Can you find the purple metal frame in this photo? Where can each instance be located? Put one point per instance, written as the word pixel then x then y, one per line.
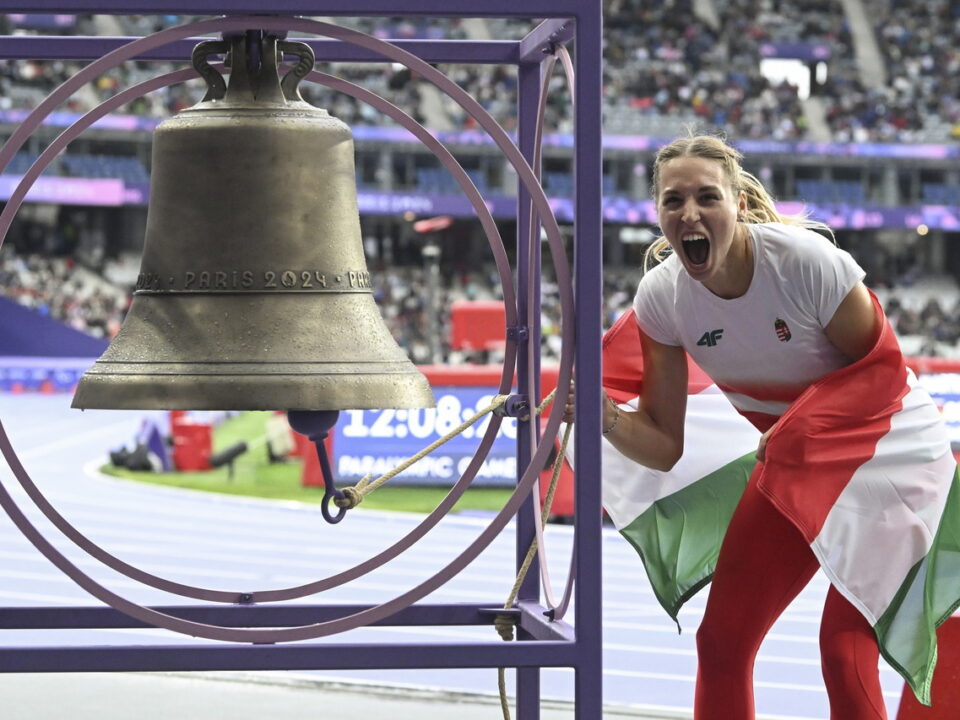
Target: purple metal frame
pixel 528 476
pixel 543 641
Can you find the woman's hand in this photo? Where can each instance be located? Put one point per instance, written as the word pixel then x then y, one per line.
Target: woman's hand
pixel 762 445
pixel 651 435
pixel 610 410
pixel 570 409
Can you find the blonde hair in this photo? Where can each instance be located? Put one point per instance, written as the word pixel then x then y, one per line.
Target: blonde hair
pixel 760 204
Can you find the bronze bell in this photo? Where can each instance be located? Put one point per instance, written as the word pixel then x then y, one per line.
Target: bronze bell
pixel 253 291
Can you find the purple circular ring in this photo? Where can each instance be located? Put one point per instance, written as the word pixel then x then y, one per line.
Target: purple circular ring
pixel 524 484
pixel 429 521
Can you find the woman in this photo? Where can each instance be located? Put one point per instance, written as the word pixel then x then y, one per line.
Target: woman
pixel 770 310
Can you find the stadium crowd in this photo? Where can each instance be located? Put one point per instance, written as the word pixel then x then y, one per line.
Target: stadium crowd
pixel 665 64
pixel 924 311
pixel 918 40
pixel 56 287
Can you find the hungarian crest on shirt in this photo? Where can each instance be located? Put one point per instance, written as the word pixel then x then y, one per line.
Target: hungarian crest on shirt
pixel 783 330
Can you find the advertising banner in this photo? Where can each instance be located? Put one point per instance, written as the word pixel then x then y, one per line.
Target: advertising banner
pixel 944 388
pixel 376 441
pixel 19 375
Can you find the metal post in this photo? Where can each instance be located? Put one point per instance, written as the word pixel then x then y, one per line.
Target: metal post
pixel 588 281
pixel 528 383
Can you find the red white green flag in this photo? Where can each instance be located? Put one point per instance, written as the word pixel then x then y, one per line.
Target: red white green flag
pixel 860 463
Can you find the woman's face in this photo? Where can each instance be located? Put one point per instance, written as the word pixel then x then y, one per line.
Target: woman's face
pixel 698 213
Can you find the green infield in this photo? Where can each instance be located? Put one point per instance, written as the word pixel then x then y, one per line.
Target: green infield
pixel 253 475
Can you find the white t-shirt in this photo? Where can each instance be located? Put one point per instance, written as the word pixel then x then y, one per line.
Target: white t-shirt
pixel 767 346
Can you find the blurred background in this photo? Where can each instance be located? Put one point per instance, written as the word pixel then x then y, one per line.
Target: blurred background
pixel 849 109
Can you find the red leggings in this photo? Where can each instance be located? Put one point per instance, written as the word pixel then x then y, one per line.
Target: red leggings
pixel 764 563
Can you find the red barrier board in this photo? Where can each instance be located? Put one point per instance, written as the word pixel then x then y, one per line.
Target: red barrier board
pixel 477 325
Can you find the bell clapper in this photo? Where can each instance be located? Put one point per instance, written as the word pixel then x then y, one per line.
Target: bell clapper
pixel 316 425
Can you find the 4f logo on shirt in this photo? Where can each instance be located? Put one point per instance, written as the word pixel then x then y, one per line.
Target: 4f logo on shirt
pixel 783 330
pixel 710 338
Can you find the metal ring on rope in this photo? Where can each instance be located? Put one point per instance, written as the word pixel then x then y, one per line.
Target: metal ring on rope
pixel 529 476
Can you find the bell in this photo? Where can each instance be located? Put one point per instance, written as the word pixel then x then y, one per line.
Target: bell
pixel 253 292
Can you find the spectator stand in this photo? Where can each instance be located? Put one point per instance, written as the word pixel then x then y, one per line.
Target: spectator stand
pixel 892 69
pixel 258 635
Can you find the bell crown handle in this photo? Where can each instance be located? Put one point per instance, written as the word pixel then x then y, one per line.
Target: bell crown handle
pixel 216 85
pixel 291 81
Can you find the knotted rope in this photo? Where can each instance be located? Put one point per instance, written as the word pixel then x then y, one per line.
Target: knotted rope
pixel 505 623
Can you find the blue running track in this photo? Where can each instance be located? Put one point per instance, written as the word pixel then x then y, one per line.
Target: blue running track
pixel 236 544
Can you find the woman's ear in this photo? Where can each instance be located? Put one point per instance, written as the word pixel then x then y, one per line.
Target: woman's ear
pixel 742 207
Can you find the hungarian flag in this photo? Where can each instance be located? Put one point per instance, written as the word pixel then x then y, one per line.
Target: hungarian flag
pixel 860 463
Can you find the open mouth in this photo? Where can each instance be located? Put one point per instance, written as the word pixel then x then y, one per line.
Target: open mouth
pixel 696 248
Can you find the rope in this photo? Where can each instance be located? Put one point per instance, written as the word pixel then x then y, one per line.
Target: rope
pixel 504 623
pixel 353 496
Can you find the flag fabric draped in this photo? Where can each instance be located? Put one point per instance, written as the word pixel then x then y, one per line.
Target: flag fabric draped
pixel 677 519
pixel 860 463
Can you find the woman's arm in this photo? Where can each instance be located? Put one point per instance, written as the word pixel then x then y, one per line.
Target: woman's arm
pixel 853 329
pixel 653 435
